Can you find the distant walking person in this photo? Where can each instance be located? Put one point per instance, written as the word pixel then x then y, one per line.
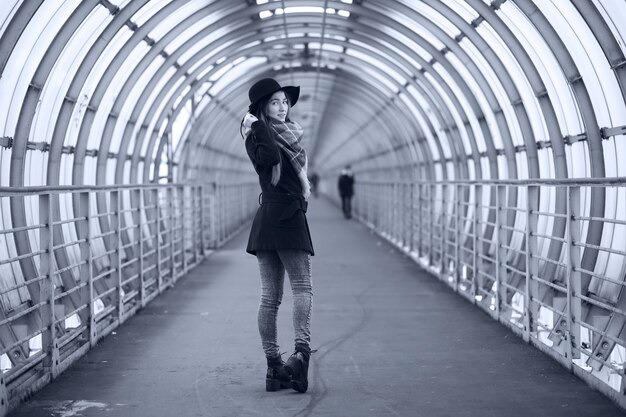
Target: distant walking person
pixel 280 236
pixel 346 190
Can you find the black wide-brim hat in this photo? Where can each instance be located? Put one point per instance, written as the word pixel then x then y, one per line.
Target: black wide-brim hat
pixel 267 87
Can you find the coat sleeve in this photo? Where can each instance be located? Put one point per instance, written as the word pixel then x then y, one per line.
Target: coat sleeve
pixel 262 149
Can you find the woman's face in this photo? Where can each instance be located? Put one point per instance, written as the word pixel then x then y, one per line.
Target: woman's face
pixel 278 106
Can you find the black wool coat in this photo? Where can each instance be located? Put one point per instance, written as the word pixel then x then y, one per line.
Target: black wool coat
pixel 280 221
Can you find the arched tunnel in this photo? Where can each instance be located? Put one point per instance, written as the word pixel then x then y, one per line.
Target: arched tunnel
pixel 484 135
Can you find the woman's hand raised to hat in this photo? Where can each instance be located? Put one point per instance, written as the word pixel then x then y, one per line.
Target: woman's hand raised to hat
pixel 248 119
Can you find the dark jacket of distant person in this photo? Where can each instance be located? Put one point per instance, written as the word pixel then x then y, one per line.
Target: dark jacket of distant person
pixel 346 184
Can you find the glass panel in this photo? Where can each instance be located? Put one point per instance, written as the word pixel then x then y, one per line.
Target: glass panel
pixel 620 149
pixel 438 119
pixel 179 125
pixel 410 43
pixel 146 12
pixel 547 65
pixel 432 15
pixel 418 116
pixel 522 166
pixel 33 172
pixel 376 63
pixel 181 96
pixel 600 80
pixel 5 165
pixel 120 3
pixel 614 13
pixel 112 91
pixel 204 72
pixel 95 77
pixel 89 176
pixel 7 11
pixel 412 63
pixel 469 112
pixel 379 53
pixel 519 78
pixel 372 73
pixel 149 102
pixel 234 73
pixel 207 40
pixel 462 9
pixel 451 107
pixel 409 24
pixel 64 70
pixel 27 55
pixel 132 101
pixel 65 173
pixel 478 94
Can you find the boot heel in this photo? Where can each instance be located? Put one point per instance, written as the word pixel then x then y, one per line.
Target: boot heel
pixel 272 385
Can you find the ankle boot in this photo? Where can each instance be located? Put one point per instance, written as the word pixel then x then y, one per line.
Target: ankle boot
pixel 277 376
pixel 298 368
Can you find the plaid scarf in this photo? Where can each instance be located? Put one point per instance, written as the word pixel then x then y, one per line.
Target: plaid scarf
pixel 288 136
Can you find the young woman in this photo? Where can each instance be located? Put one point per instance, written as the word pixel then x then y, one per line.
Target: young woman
pixel 280 236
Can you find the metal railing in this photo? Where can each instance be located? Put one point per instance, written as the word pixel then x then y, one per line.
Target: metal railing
pixel 504 246
pixel 99 254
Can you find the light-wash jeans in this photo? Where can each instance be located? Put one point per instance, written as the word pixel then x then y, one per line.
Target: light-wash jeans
pixel 273 265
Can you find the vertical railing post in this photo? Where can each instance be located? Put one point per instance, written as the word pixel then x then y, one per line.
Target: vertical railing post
pixel 171 189
pixel 532 263
pixel 475 243
pixel 431 224
pixel 139 215
pixel 203 212
pixel 393 212
pixel 412 217
pixel 418 212
pixel 457 223
pixel 202 222
pixel 369 203
pixel 196 222
pixel 499 239
pixel 218 214
pixel 46 289
pixel 157 238
pixel 573 258
pixel 85 271
pixel 116 246
pixel 443 235
pixel 389 210
pixel 183 232
pixel 408 216
pixel 402 214
pixel 380 197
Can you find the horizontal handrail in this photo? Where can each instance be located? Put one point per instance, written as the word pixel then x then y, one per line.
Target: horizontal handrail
pixel 56 189
pixel 604 181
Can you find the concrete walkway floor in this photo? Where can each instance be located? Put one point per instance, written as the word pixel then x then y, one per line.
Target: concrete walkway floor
pixel 392 341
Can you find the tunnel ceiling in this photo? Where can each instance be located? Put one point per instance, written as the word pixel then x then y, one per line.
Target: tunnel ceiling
pixel 111 91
